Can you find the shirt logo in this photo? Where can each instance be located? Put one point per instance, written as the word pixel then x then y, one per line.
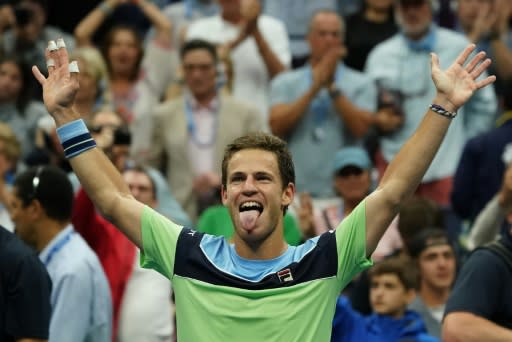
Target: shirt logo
pixel 285 275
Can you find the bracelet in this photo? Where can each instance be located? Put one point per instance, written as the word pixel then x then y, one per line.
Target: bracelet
pixel 334 91
pixel 75 138
pixel 441 111
pixel 105 8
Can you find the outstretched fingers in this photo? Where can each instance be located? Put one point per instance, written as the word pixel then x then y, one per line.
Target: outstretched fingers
pixel 485 82
pixel 463 56
pixel 480 68
pixel 38 75
pixel 475 61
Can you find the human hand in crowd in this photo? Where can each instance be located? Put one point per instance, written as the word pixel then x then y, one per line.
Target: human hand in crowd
pixel 388 120
pixel 458 82
pixel 7 18
pixel 503 8
pixel 250 11
pixel 305 215
pixel 323 72
pixel 204 183
pixel 505 193
pixel 485 21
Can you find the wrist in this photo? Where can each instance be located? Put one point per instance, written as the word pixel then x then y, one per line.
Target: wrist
pixel 334 91
pixel 443 101
pixel 63 116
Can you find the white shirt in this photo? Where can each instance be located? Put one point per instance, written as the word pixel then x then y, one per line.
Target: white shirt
pixel 251 78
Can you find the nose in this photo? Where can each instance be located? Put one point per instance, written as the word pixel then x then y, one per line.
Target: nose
pixel 249 186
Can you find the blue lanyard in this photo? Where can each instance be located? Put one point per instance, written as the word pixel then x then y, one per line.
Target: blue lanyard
pixel 191 125
pixel 57 247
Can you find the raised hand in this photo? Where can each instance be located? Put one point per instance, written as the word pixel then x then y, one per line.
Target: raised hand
pixel 61 85
pixel 457 84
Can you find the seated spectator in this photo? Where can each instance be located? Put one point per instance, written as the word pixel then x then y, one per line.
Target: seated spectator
pixel 479 306
pixel 24 292
pixel 295 15
pixel 323 106
pixel 352 182
pixel 481 165
pixel 137 80
pixel 80 298
pixel 25 33
pixel 203 122
pixel 410 82
pixel 392 287
pixel 257 44
pixel 374 23
pixel 16 107
pixel 9 155
pixel 434 255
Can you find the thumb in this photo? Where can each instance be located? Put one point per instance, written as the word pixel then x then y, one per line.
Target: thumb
pixel 434 61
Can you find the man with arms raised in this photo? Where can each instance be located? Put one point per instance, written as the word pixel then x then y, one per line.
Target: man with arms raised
pixel 259 289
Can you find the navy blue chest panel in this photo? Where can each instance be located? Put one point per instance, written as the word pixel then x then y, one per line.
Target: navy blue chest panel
pixel 318 263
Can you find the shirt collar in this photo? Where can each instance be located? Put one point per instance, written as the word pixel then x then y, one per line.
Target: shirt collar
pixel 213 106
pixel 43 255
pixel 427 43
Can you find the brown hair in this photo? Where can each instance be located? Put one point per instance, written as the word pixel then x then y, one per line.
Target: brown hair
pixel 402 267
pixel 109 39
pixel 11 145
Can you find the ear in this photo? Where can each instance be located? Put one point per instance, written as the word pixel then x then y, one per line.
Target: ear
pixel 288 195
pixel 223 194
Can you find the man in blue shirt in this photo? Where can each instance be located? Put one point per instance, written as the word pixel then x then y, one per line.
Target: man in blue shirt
pixel 41 205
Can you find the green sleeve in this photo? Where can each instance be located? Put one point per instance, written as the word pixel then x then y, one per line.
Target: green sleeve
pixel 159 239
pixel 351 245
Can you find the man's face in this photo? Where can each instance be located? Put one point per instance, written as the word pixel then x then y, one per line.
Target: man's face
pixel 468 11
pixel 254 194
pixel 23 218
pixel 325 33
pixel 11 81
pixel 352 183
pixel 414 18
pixel 437 267
pixel 388 296
pixel 200 74
pixel 141 187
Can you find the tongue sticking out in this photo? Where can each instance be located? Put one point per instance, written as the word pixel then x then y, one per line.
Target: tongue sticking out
pixel 248 219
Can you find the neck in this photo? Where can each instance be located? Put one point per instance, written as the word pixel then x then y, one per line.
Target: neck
pixel 433 297
pixel 270 248
pixel 47 230
pixel 205 99
pixel 418 35
pixel 233 17
pixel 376 15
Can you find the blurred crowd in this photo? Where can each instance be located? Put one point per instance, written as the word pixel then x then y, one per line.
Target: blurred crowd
pixel 166 85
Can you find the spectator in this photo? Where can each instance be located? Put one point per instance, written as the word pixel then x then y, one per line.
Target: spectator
pixel 410 82
pixel 16 107
pixel 478 308
pixel 373 24
pixel 80 299
pixel 204 121
pixel 257 44
pixel 24 292
pixel 137 80
pixel 260 277
pixel 25 33
pixel 323 106
pixel 392 287
pixel 10 150
pixel 435 258
pixel 295 14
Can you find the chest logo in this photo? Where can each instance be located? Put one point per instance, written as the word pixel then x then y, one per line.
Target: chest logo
pixel 285 275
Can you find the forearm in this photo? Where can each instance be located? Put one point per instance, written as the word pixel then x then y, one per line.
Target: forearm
pixel 88 26
pixel 467 327
pixel 487 224
pixel 357 120
pixel 283 117
pixel 157 18
pixel 502 59
pixel 273 64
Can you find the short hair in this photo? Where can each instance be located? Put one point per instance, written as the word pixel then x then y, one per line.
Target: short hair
pixel 109 39
pixel 402 267
pixel 416 214
pixel 199 44
pixel 326 11
pixel 138 168
pixel 53 191
pixel 426 238
pixel 265 142
pixel 11 145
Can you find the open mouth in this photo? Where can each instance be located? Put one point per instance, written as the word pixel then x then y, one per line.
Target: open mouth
pixel 251 205
pixel 249 213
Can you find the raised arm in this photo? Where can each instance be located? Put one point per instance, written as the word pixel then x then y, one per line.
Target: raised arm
pixel 454 87
pixel 97 174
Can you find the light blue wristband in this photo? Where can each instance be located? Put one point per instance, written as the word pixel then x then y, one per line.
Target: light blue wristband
pixel 75 138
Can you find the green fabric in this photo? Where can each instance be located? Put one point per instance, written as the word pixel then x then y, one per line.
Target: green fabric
pixel 216 221
pixel 213 313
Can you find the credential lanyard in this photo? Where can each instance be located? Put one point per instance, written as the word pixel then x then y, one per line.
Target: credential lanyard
pixel 57 247
pixel 191 125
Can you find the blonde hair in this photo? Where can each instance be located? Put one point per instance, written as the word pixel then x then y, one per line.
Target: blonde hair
pixel 11 145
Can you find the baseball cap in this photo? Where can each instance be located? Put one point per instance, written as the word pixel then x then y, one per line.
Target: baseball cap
pixel 427 238
pixel 351 156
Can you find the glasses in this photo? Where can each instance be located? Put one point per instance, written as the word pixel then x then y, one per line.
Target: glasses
pixel 35 182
